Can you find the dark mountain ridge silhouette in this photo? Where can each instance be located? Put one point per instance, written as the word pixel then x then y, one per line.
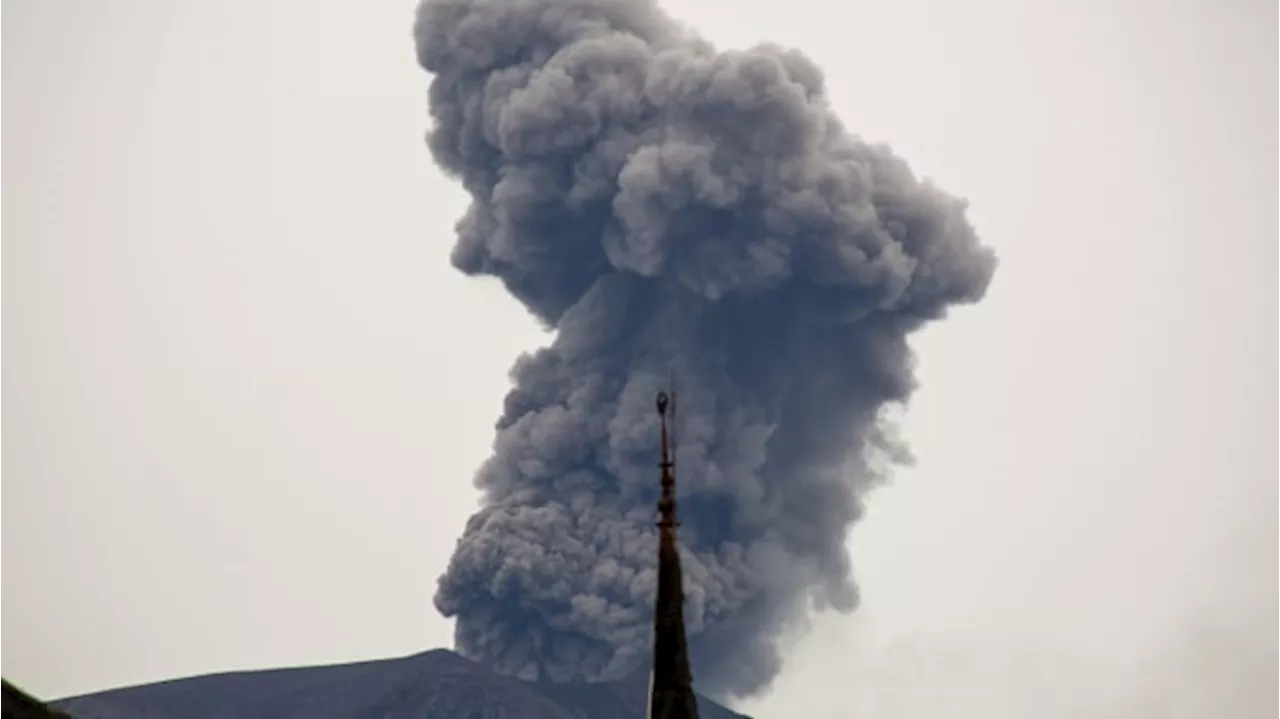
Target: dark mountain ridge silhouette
pixel 437 684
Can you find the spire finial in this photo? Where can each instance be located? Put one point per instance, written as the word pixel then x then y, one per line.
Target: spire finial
pixel 671 688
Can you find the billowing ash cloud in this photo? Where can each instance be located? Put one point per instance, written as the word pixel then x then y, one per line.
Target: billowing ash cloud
pixel 670 209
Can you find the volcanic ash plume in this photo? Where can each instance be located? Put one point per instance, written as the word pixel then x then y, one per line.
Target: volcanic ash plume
pixel 673 210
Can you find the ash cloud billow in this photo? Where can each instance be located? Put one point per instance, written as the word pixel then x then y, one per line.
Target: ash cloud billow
pixel 670 209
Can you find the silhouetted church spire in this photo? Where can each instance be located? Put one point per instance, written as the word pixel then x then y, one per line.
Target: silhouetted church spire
pixel 671 690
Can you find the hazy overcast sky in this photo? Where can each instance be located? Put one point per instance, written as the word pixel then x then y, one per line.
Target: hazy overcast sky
pixel 244 391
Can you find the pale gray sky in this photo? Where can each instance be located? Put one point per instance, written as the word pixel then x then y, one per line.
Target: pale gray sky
pixel 245 390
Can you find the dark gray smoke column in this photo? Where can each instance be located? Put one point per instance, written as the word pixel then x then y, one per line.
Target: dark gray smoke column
pixel 667 207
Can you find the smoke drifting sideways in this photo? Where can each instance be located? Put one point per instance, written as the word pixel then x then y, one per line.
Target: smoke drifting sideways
pixel 669 209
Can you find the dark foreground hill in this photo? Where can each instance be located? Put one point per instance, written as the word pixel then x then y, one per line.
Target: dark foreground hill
pixel 438 684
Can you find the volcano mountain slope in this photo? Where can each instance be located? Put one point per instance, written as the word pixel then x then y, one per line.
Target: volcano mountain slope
pixel 437 684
